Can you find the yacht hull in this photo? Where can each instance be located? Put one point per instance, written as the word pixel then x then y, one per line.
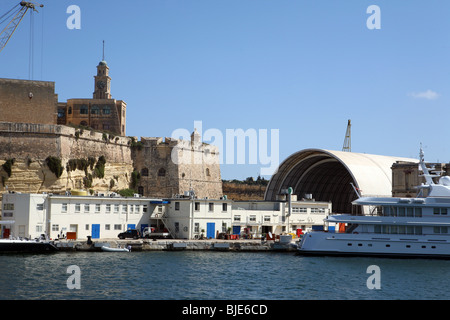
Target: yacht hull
pixel 329 244
pixel 26 247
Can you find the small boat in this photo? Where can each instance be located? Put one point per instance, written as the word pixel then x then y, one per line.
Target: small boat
pixel 109 249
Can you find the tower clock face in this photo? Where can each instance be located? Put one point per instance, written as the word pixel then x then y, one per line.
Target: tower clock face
pixel 101 84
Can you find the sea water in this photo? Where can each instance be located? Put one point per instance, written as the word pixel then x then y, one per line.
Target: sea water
pixel 202 275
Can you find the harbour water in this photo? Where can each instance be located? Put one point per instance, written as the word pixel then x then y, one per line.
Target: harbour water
pixel 218 276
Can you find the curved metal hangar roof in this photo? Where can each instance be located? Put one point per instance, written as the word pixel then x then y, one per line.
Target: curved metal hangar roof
pixel 327 176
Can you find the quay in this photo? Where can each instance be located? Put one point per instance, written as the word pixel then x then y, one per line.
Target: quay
pixel 176 245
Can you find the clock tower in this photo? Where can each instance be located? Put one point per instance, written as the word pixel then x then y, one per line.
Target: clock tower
pixel 102 82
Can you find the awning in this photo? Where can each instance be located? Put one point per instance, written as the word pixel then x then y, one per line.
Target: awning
pixel 159 202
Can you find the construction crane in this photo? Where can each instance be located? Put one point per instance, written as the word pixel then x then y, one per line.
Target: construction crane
pixel 348 138
pixel 17 13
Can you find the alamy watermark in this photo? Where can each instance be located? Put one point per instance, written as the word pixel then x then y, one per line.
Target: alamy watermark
pixel 74 280
pixel 235 146
pixel 374 280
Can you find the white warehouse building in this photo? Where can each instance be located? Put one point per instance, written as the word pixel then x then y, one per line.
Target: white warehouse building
pixel 104 217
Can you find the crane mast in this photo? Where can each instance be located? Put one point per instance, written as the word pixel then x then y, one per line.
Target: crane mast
pixel 348 138
pixel 12 25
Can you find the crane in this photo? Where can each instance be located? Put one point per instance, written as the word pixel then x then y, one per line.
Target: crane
pixel 348 138
pixel 17 13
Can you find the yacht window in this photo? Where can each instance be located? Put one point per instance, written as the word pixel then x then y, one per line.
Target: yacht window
pixel 401 212
pixel 393 212
pixel 410 212
pixel 418 230
pixel 418 212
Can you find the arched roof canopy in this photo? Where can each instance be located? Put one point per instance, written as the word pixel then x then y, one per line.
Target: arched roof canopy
pixel 328 175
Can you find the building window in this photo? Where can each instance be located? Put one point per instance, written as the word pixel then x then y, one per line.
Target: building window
pixel 116 208
pixel 162 172
pixel 117 227
pixel 207 172
pixel 55 227
pixel 97 208
pixel 106 110
pixel 224 227
pixel 86 208
pixel 197 206
pixel 237 218
pixel 211 207
pixel 107 227
pixel 252 218
pixel 124 208
pixel 266 218
pixel 224 207
pixel 70 110
pixel 8 206
pixel 141 190
pixel 144 172
pixel 95 110
pixel 196 227
pixel 40 206
pixel 86 227
pixel 177 206
pixel 8 214
pixel 144 208
pixel 77 207
pixel 64 207
pixel 108 208
pixel 38 229
pixel 84 109
pixel 177 227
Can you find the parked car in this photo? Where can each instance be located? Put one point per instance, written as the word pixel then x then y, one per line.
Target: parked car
pixel 131 233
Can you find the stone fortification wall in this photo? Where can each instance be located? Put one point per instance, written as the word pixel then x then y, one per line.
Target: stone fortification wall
pixel 31 144
pixel 172 167
pixel 96 161
pixel 28 101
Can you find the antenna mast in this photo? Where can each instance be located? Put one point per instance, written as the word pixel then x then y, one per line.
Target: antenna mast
pixel 348 138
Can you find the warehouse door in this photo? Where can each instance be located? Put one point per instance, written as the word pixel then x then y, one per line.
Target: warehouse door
pixel 210 230
pixel 95 231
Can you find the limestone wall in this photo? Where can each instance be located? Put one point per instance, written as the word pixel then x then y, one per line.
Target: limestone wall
pixel 30 145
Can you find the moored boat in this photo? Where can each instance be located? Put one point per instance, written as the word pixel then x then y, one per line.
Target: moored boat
pixel 25 246
pixel 109 249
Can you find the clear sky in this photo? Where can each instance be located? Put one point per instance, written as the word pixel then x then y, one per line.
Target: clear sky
pixel 302 67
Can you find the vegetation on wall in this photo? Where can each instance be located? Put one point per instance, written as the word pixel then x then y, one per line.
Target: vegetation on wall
pixel 135 177
pixel 55 166
pixel 136 145
pixel 7 166
pixel 127 192
pixel 99 170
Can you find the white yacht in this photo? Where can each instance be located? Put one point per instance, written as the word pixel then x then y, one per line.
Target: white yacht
pixel 396 227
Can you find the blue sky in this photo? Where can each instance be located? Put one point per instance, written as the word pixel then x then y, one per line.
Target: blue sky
pixel 302 67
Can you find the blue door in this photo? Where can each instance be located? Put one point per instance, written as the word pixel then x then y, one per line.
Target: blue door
pixel 236 229
pixel 131 226
pixel 210 230
pixel 95 231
